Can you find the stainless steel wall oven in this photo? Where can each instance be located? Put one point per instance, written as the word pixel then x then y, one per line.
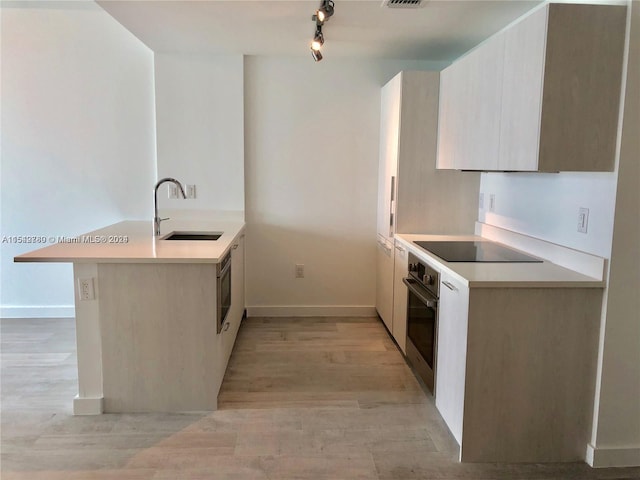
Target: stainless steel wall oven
pixel 223 272
pixel 423 284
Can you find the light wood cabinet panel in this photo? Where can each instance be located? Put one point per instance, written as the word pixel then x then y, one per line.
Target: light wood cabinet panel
pixel 384 282
pixel 582 83
pixel 482 94
pixel 530 374
pixel 542 95
pixel 515 370
pixel 401 267
pixel 470 107
pixel 449 113
pixel 453 309
pixel 522 93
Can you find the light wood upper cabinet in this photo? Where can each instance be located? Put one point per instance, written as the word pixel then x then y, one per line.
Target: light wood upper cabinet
pixel 470 100
pixel 542 95
pixel 521 97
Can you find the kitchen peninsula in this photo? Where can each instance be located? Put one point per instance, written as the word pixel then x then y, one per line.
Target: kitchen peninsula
pixel 147 314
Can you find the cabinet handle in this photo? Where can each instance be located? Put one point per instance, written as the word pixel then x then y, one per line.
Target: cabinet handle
pixel 393 194
pixel 226 326
pixel 450 286
pixel 399 248
pixel 235 246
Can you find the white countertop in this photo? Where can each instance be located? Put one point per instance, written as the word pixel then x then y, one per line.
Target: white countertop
pixel 134 242
pixel 503 275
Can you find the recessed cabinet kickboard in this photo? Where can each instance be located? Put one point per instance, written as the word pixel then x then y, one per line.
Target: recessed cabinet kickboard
pixel 541 95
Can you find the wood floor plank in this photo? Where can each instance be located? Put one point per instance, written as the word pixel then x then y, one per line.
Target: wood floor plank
pixel 303 398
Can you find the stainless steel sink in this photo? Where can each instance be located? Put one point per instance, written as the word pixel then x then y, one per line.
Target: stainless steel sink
pixel 201 236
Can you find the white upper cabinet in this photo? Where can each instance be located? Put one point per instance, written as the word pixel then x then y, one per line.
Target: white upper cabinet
pixel 542 95
pixel 522 97
pixel 469 113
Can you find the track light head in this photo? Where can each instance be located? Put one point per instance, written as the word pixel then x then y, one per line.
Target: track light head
pixel 318 40
pixel 316 54
pixel 325 11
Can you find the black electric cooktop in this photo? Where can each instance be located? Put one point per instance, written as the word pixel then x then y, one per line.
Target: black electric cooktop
pixel 475 251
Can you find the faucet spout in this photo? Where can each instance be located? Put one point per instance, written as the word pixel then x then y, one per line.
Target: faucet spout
pixel 156 218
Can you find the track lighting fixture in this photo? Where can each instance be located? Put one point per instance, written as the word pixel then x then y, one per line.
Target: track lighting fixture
pixel 323 13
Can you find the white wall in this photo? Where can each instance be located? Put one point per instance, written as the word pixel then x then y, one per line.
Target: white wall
pixel 312 136
pixel 616 436
pixel 200 115
pixel 545 206
pixel 77 139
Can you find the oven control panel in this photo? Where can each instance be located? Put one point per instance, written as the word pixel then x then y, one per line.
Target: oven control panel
pixel 423 273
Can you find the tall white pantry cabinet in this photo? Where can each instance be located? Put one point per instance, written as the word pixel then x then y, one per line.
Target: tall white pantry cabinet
pixel 414 197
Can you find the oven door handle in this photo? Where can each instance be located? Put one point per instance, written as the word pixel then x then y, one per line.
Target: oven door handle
pixel 429 302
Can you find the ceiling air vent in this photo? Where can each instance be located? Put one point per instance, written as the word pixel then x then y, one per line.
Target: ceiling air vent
pixel 402 3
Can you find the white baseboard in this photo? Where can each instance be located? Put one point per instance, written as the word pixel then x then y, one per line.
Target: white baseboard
pixel 88 405
pixel 311 311
pixel 37 311
pixel 613 456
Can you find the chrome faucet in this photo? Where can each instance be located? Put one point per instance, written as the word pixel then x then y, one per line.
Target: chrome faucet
pixel 156 218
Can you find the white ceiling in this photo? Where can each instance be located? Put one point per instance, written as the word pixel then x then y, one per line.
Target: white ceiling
pixel 441 30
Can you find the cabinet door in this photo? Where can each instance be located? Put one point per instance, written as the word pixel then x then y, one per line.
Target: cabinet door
pixel 524 53
pixel 470 99
pixel 384 282
pixel 481 96
pixel 450 112
pixel 400 268
pixel 388 161
pixel 451 357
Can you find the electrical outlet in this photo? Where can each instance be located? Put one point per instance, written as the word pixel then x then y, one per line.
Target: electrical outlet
pixel 481 201
pixel 191 191
pixel 299 270
pixel 492 202
pixel 86 289
pixel 583 219
pixel 173 191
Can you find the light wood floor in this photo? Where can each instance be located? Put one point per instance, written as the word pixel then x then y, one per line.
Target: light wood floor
pixel 302 399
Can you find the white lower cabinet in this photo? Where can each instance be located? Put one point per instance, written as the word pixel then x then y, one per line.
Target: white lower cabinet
pixel 400 268
pixel 451 357
pixel 384 282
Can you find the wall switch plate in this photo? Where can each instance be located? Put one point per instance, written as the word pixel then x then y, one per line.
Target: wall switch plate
pixel 492 202
pixel 481 201
pixel 86 290
pixel 173 191
pixel 191 191
pixel 299 270
pixel 583 219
